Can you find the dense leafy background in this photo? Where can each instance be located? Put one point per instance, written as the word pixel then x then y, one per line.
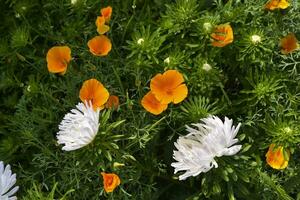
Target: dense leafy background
pixel 252 83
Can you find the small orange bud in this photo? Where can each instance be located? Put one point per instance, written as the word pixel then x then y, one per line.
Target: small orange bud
pixel 110 181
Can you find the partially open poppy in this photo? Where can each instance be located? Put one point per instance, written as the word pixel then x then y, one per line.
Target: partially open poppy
pixel 222 35
pixel 101 27
pixel 277 4
pixel 169 87
pixel 152 105
pixel 58 58
pixel 110 181
pixel 106 13
pixel 92 90
pixel 277 157
pixel 99 45
pixel 112 102
pixel 289 43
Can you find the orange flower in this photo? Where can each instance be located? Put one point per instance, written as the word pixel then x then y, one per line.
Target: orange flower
pixel 113 102
pixel 106 13
pixel 152 105
pixel 58 58
pixel 276 157
pixel 222 35
pixel 92 90
pixel 289 43
pixel 101 27
pixel 168 87
pixel 274 4
pixel 110 181
pixel 99 45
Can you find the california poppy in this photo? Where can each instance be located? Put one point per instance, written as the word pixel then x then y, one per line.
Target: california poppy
pixel 58 58
pixel 289 43
pixel 101 27
pixel 277 157
pixel 274 4
pixel 169 87
pixel 112 102
pixel 110 181
pixel 152 105
pixel 222 35
pixel 99 45
pixel 92 90
pixel 106 13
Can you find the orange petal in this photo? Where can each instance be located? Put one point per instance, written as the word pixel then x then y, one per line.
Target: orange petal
pixel 181 93
pixel 113 102
pixel 100 21
pixel 289 43
pixel 152 105
pixel 277 4
pixel 110 181
pixel 103 29
pixel 222 35
pixel 275 157
pixel 163 86
pixel 58 58
pixel 92 90
pixel 106 13
pixel 99 45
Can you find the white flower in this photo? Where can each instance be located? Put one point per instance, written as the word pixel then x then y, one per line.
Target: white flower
pixel 196 151
pixel 7 181
pixel 140 41
pixel 207 67
pixel 79 127
pixel 167 60
pixel 255 39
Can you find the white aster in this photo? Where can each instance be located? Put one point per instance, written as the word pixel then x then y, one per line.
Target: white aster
pixel 196 151
pixel 255 39
pixel 7 181
pixel 79 127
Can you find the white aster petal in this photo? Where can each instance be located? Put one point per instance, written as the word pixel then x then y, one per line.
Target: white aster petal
pixel 7 181
pixel 206 140
pixel 79 127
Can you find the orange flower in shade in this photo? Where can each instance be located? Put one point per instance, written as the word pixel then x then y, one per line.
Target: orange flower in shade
pixel 222 35
pixel 277 158
pixel 113 102
pixel 152 105
pixel 58 58
pixel 106 13
pixel 289 43
pixel 169 87
pixel 110 181
pixel 275 4
pixel 99 45
pixel 92 90
pixel 101 27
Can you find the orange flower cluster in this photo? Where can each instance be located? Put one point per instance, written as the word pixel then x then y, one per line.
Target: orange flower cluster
pixel 101 45
pixel 110 181
pixel 277 157
pixel 165 88
pixel 222 35
pixel 277 4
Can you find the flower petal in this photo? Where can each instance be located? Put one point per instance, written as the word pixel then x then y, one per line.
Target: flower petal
pixel 99 45
pixel 152 105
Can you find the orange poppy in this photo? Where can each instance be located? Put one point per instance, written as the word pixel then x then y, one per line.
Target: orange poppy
pixel 101 27
pixel 99 45
pixel 152 105
pixel 289 43
pixel 168 87
pixel 222 35
pixel 92 90
pixel 110 181
pixel 274 4
pixel 106 13
pixel 113 102
pixel 58 58
pixel 276 157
